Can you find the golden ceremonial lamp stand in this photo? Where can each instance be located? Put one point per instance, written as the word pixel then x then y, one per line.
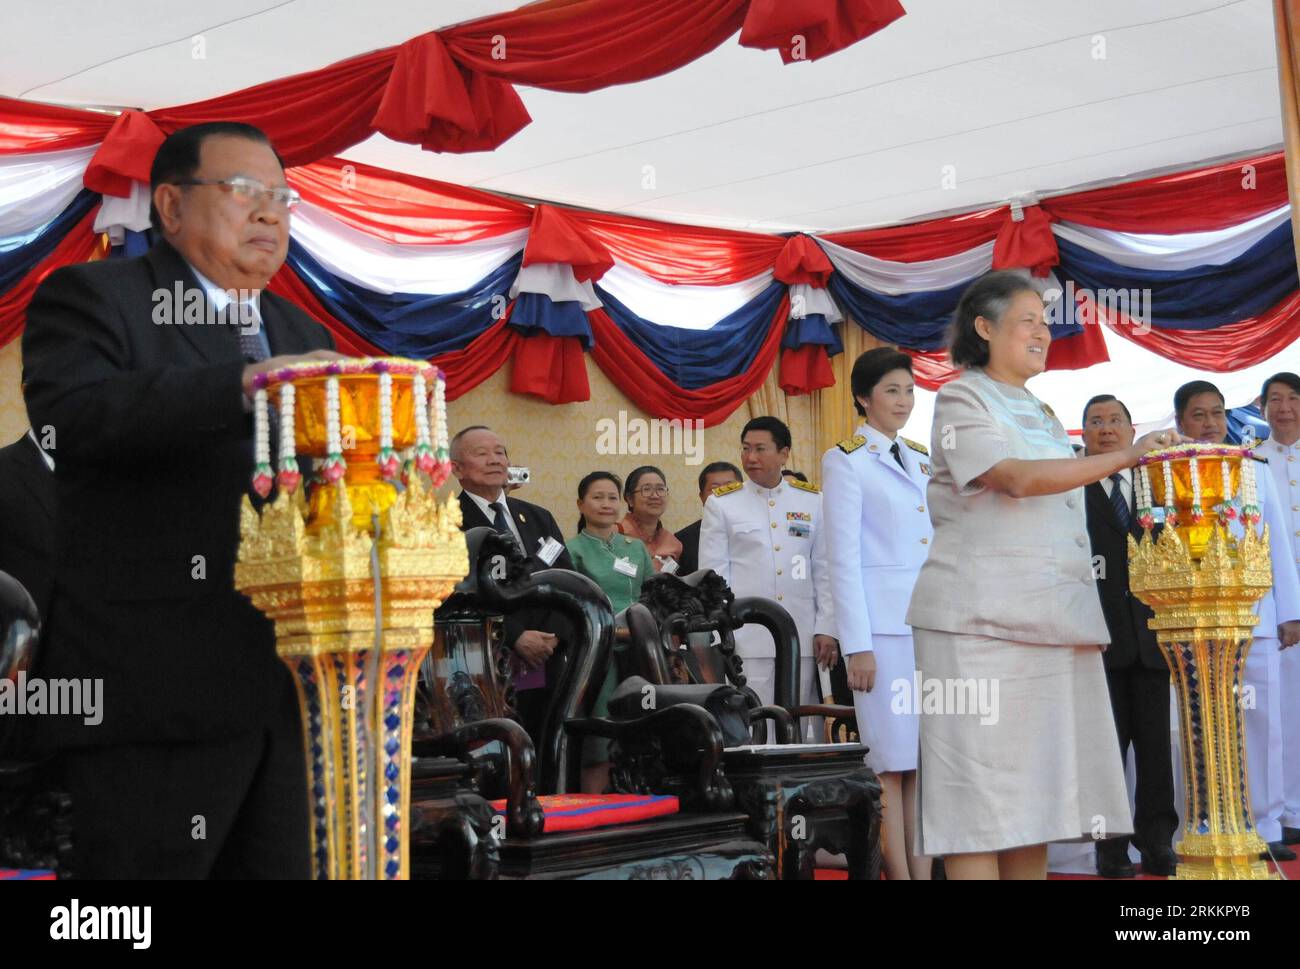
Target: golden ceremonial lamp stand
pixel 351 579
pixel 1202 583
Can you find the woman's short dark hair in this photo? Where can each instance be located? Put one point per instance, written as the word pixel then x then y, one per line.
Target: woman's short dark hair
pixel 989 296
pixel 1184 394
pixel 774 426
pixel 870 368
pixel 179 156
pixel 635 476
pixel 585 485
pixel 1285 377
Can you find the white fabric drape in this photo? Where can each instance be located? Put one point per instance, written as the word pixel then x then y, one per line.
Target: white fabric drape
pixel 686 307
pixel 35 188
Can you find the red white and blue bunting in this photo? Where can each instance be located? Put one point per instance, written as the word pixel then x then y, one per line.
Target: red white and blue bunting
pixel 687 321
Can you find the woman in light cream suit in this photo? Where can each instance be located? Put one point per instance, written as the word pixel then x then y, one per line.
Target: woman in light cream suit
pixel 1018 748
pixel 874 493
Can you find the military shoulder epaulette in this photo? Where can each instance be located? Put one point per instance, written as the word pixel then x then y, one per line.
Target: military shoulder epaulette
pixel 727 489
pixel 804 486
pixel 851 444
pixel 914 445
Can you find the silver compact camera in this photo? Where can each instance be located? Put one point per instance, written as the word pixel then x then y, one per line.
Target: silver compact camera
pixel 518 476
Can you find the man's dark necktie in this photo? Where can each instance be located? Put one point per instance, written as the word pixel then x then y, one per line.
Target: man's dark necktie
pixel 898 456
pixel 499 521
pixel 1118 500
pixel 251 346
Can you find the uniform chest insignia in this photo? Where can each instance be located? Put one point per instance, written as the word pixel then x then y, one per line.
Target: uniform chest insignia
pixel 851 444
pixel 804 486
pixel 798 516
pixel 925 468
pixel 727 489
pixel 914 445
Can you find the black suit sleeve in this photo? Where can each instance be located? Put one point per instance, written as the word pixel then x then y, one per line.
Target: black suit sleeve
pixel 81 379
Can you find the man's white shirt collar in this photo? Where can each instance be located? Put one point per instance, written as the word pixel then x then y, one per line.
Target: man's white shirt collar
pixel 220 298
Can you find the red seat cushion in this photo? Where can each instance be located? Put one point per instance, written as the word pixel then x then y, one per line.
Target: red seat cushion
pixel 26 874
pixel 579 812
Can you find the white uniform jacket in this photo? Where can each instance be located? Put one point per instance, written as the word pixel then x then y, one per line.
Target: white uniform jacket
pixel 771 542
pixel 881 533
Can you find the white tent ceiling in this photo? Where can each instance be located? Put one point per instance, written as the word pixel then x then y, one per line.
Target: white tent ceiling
pixel 1003 98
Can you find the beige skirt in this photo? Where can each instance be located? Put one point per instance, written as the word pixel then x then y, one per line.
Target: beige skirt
pixel 1017 745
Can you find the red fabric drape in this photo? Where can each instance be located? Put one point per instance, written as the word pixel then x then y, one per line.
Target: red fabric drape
pixel 404 208
pixel 932 239
pixel 818 27
pixel 555 237
pixel 1027 244
pixel 79 245
pixel 634 374
pixel 803 261
pixel 1221 350
pixel 585 45
pixel 683 254
pixel 433 102
pixel 553 368
pixel 806 369
pixel 29 127
pixel 1196 201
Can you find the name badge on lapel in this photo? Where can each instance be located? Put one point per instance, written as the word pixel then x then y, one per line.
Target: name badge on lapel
pixel 626 566
pixel 667 564
pixel 550 549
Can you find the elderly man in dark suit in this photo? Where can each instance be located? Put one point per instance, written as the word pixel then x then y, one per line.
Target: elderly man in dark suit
pixel 1136 672
pixel 143 369
pixel 538 636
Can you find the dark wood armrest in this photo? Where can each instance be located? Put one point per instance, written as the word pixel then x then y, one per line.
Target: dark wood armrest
pixel 523 813
pixel 783 723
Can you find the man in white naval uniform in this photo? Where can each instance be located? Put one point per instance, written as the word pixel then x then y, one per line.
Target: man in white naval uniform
pixel 1280 402
pixel 1200 414
pixel 766 537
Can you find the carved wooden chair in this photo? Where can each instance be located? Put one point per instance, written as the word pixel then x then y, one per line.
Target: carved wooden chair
pixel 465 717
pixel 35 825
pixel 800 797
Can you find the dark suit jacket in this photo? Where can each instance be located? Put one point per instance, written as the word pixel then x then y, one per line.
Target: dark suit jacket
pixel 27 519
pixel 154 452
pixel 534 522
pixel 1131 642
pixel 690 539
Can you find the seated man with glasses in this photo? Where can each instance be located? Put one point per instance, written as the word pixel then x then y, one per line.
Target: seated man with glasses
pixel 195 768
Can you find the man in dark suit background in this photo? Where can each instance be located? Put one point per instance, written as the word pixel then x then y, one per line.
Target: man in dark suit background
pixel 714 475
pixel 1136 672
pixel 538 636
pixel 27 517
pixel 196 767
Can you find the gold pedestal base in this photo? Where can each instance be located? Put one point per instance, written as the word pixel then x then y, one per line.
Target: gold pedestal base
pixel 1217 857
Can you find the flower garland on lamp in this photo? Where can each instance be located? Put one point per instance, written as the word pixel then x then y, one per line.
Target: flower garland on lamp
pixel 350 571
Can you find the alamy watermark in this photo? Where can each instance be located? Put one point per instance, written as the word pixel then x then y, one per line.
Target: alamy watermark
pixel 34 696
pixel 189 306
pixel 946 696
pixel 1085 307
pixel 637 435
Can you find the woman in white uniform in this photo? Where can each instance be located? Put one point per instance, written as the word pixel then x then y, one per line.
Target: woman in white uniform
pixel 874 496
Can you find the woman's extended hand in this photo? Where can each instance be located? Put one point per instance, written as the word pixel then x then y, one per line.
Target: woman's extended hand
pixel 861 668
pixel 1155 441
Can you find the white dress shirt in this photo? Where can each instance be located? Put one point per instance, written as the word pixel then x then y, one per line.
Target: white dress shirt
pixel 485 506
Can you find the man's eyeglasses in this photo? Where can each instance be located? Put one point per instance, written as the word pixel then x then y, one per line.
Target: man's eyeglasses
pixel 652 491
pixel 1097 423
pixel 249 190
